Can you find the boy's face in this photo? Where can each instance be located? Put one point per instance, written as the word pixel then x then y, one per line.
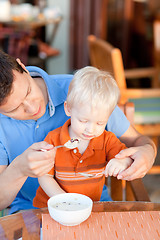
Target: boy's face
pixel 26 100
pixel 87 122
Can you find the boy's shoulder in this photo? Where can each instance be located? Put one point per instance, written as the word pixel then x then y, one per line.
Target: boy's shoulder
pixel 108 134
pixel 109 137
pixel 53 136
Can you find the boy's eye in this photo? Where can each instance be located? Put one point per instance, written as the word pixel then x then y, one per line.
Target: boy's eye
pixel 82 121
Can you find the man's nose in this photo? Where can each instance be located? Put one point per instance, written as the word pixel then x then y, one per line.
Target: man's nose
pixel 29 107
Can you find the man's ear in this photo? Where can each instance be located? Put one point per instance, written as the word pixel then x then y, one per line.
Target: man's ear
pixel 67 109
pixel 22 65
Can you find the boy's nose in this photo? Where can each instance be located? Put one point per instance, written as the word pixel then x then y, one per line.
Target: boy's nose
pixel 90 128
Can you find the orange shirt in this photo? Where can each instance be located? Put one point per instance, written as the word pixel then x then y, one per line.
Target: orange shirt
pixel 69 162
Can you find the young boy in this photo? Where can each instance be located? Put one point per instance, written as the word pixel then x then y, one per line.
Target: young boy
pixel 92 96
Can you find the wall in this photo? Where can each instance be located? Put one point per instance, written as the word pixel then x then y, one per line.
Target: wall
pixel 60 64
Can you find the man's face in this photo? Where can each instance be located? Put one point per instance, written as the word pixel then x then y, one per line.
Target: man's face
pixel 27 98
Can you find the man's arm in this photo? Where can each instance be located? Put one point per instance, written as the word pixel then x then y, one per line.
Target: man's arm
pixel 10 183
pixel 141 149
pixel 32 162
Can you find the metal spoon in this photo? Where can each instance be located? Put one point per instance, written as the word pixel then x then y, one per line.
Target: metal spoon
pixel 90 175
pixel 71 144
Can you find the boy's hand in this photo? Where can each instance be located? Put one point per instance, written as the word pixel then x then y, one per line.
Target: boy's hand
pixel 143 159
pixel 115 166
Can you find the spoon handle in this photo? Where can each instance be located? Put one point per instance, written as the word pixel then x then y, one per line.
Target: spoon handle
pixel 59 146
pixel 45 150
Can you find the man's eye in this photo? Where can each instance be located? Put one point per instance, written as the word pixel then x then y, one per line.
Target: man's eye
pixel 100 124
pixel 29 90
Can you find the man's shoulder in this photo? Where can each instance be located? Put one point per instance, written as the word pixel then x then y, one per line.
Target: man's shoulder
pixel 36 71
pixel 117 122
pixel 61 80
pixel 4 118
pixel 57 84
pixel 61 77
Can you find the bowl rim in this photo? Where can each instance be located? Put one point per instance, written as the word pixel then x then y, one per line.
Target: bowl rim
pixel 90 205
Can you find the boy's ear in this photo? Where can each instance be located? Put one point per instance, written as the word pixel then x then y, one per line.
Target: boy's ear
pixel 67 109
pixel 21 64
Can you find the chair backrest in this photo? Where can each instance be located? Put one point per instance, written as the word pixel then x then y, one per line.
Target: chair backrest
pixel 156 38
pixel 105 57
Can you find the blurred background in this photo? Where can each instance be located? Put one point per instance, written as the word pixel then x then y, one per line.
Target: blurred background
pixel 52 34
pixel 127 24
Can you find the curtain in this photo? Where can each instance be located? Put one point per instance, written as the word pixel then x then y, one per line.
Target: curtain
pixel 86 17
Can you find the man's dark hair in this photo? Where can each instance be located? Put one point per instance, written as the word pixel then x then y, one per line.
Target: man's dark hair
pixel 7 65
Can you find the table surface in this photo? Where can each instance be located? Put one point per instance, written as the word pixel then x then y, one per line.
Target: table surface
pixel 27 223
pixel 32 23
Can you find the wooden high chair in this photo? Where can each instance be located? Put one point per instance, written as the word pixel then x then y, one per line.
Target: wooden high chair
pixel 121 190
pixel 104 56
pixel 156 39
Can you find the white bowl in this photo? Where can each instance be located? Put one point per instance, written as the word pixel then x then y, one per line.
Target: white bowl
pixel 70 209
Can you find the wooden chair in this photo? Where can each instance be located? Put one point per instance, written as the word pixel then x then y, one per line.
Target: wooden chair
pixel 121 190
pixel 96 47
pixel 104 56
pixel 156 39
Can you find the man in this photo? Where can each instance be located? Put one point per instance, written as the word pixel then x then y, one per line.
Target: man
pixel 31 105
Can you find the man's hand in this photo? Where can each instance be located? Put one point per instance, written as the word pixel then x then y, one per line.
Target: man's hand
pixel 143 159
pixel 33 162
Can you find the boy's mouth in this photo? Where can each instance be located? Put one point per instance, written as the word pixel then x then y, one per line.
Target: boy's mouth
pixel 88 136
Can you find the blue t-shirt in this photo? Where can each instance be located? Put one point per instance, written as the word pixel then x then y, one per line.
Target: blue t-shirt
pixel 17 135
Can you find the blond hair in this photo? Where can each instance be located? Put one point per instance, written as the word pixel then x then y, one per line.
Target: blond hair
pixel 93 86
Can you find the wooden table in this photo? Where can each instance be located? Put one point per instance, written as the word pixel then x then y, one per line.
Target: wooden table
pixel 26 39
pixel 34 24
pixel 27 223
